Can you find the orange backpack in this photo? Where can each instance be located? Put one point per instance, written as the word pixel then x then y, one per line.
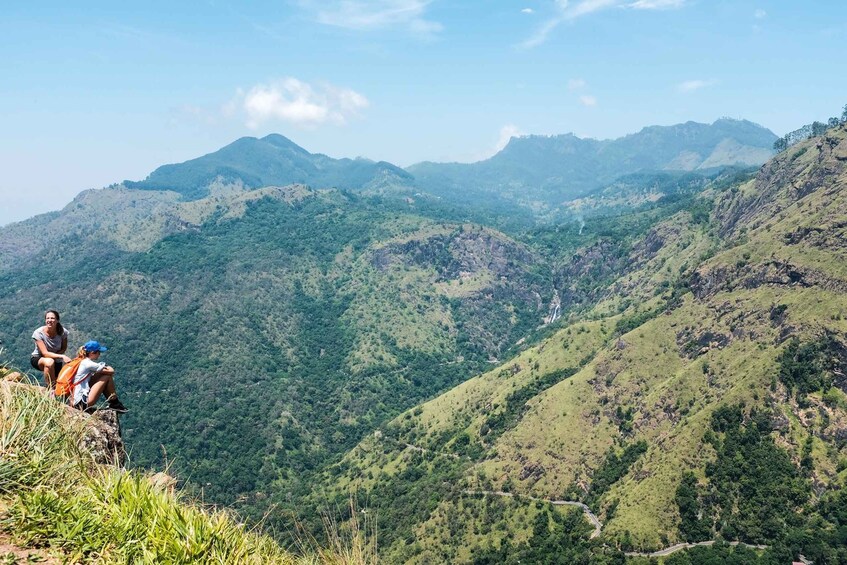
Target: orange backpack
pixel 65 383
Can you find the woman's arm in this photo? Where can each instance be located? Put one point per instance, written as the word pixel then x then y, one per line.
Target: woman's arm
pixel 64 343
pixel 44 353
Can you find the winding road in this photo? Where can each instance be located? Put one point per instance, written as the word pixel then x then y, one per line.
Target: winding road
pixel 681 546
pixel 598 525
pixel 595 521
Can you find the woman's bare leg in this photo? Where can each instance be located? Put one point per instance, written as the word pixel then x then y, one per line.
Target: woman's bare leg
pixel 48 365
pixel 100 383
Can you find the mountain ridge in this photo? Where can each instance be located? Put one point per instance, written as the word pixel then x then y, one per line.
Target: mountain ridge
pixel 271 160
pixel 530 170
pixel 543 172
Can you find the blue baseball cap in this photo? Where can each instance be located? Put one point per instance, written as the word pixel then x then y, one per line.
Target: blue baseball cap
pixel 92 346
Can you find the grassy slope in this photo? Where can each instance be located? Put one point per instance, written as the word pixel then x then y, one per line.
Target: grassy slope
pixel 718 346
pixel 540 438
pixel 53 494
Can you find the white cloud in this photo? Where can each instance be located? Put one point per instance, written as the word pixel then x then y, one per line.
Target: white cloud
pixel 692 85
pixel 541 34
pixel 576 84
pixel 586 7
pixel 527 11
pixel 374 14
pixel 566 11
pixel 507 132
pixel 291 100
pixel 760 14
pixel 655 4
pixel 587 100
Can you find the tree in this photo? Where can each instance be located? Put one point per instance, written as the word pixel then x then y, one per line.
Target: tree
pixel 818 128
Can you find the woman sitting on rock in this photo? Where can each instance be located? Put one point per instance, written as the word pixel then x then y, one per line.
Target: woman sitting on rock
pixel 51 342
pixel 92 379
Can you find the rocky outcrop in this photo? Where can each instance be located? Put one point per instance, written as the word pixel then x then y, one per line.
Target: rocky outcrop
pixel 9 375
pixel 825 237
pixel 531 471
pixel 807 167
pixel 466 251
pixel 706 282
pixel 102 438
pixel 692 343
pixel 581 279
pixel 163 482
pixel 101 435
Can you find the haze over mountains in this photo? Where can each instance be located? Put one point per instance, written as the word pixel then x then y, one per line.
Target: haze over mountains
pixel 272 160
pixel 532 178
pixel 284 345
pixel 547 170
pixel 531 171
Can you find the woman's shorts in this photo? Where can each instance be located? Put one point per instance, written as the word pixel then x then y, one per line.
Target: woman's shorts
pixel 83 403
pixel 57 364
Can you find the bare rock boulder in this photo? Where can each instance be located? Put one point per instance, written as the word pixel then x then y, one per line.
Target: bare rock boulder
pixel 102 438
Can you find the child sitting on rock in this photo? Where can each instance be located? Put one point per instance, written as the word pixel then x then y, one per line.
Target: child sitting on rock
pixel 93 378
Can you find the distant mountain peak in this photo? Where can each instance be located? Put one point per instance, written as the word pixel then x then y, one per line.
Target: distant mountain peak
pixel 273 160
pixel 281 141
pixel 538 171
pixel 728 120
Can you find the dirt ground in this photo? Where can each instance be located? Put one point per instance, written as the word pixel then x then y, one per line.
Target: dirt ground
pixel 11 554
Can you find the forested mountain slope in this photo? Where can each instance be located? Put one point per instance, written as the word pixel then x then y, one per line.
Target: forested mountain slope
pixel 702 397
pixel 274 328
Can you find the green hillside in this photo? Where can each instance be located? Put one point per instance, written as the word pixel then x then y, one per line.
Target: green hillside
pixel 701 397
pixel 262 334
pixel 277 327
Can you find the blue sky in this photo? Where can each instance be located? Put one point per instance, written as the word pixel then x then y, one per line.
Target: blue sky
pixel 95 95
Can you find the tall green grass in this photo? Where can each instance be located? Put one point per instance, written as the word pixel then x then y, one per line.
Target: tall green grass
pixel 58 497
pixel 37 443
